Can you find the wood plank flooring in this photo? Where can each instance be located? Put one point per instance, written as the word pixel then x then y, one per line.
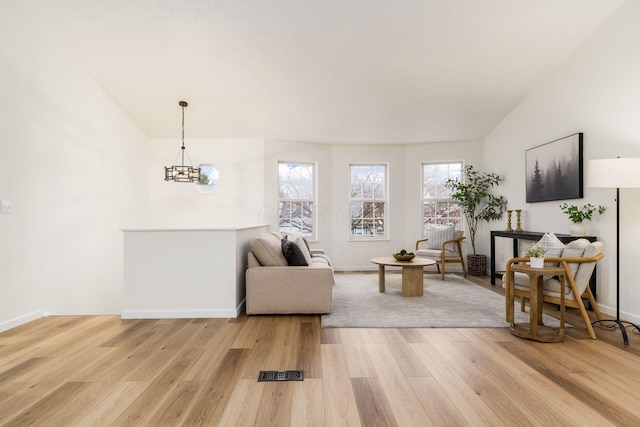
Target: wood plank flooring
pixel 103 371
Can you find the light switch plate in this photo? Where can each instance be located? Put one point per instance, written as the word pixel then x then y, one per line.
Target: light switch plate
pixel 7 206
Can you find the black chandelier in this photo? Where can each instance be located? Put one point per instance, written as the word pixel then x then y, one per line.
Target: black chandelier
pixel 182 173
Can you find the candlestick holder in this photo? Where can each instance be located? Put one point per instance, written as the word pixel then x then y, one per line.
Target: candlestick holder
pixel 518 226
pixel 509 221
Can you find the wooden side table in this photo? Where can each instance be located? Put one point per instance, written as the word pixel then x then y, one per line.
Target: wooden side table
pixel 536 330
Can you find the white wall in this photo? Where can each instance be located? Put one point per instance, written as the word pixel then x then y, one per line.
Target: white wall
pixel 238 201
pixel 333 161
pixel 596 91
pixel 75 167
pixel 205 280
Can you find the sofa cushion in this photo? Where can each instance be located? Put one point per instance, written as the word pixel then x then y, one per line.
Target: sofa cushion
pixel 306 243
pixel 268 250
pixel 436 254
pixel 438 235
pixel 300 241
pixel 320 260
pixel 293 254
pixel 321 256
pixel 281 235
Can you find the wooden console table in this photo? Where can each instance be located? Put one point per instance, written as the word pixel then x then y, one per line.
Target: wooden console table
pixel 533 236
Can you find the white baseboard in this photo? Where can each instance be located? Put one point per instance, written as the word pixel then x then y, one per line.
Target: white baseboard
pixel 611 311
pixel 21 320
pixel 178 314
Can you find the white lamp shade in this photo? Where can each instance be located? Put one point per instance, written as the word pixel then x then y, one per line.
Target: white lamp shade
pixel 614 173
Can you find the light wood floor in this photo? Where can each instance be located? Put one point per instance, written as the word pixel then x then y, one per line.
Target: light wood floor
pixel 101 370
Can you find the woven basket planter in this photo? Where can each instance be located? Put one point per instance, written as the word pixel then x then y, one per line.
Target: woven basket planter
pixel 477 265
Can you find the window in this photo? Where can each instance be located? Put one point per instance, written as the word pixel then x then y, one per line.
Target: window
pixel 210 180
pixel 437 206
pixel 296 197
pixel 368 201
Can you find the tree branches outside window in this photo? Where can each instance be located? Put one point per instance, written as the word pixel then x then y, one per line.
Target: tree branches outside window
pixel 368 200
pixel 296 197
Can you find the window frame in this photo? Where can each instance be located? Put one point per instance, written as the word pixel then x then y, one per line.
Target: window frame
pixel 313 236
pixel 386 201
pixel 460 225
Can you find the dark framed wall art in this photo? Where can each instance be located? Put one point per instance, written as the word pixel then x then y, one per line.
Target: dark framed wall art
pixel 554 170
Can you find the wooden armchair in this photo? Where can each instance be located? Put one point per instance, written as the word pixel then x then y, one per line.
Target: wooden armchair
pixel 576 282
pixel 450 252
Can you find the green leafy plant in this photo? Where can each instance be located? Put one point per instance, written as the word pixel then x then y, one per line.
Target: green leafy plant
pixel 474 197
pixel 578 215
pixel 537 251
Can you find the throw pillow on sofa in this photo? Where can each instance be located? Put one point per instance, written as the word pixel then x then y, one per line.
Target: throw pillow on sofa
pixel 293 254
pixel 301 242
pixel 268 250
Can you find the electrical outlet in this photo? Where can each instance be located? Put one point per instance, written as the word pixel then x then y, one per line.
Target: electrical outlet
pixel 7 206
pixel 341 251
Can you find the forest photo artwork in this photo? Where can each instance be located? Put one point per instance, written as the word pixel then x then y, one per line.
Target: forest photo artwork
pixel 554 170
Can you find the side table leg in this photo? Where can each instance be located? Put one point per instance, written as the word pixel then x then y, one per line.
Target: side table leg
pixel 561 330
pixel 539 302
pixel 380 278
pixel 510 298
pixel 533 306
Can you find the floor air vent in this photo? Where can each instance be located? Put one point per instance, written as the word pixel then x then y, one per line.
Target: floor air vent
pixel 281 376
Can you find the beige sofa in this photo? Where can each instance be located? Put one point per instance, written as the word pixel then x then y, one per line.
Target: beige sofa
pixel 274 287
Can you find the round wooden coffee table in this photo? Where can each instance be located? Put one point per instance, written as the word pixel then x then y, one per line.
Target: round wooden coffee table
pixel 412 274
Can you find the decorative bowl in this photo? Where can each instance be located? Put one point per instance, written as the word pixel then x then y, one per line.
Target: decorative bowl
pixel 404 256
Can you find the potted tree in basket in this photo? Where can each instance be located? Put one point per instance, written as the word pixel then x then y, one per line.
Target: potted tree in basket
pixel 474 197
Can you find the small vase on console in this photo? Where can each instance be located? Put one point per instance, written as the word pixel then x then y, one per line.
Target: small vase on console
pixel 577 229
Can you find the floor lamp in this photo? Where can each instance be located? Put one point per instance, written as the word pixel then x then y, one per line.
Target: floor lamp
pixel 615 173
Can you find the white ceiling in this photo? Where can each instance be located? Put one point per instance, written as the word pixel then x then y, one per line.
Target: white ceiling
pixel 376 71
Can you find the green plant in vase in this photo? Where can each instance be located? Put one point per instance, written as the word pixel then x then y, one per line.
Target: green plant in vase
pixel 537 251
pixel 536 254
pixel 578 215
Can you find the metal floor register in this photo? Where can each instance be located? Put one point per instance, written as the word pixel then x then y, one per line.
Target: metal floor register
pixel 281 376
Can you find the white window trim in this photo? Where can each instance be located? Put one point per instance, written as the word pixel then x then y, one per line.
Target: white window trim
pixel 422 198
pixel 387 222
pixel 314 217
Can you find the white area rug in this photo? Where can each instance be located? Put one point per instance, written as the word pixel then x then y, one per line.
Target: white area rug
pixel 452 303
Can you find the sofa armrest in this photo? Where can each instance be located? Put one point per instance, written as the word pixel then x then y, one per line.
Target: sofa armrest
pixel 317 251
pixel 289 289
